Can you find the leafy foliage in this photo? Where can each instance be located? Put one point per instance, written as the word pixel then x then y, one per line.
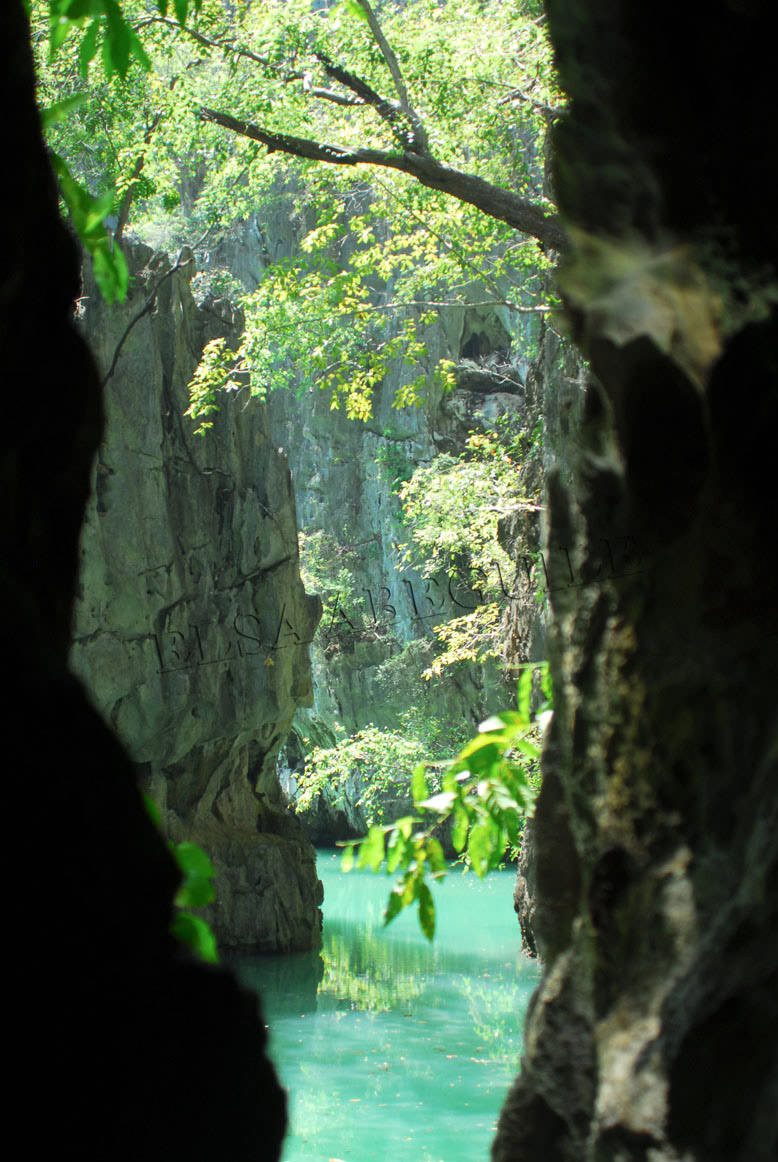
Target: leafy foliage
pixel 107 32
pixel 373 258
pixel 485 793
pixel 332 569
pixel 369 762
pixel 195 891
pixel 452 508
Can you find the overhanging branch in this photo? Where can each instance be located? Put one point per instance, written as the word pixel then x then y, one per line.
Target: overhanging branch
pixel 494 201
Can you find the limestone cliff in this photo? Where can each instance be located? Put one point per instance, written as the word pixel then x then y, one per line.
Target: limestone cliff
pixel 376 637
pixel 192 629
pixel 653 1036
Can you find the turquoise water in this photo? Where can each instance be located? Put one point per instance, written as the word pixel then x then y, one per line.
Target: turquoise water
pixel 393 1050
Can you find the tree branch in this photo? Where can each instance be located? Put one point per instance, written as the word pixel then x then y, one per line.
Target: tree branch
pixel 422 145
pixel 388 111
pixel 494 201
pixel 286 75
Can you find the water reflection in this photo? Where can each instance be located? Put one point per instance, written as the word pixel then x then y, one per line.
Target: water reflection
pixel 390 1047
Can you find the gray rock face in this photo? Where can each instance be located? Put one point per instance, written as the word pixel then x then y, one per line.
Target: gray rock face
pixel 653 1036
pixel 193 626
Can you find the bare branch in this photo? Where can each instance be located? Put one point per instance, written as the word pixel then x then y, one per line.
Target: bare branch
pixel 285 75
pixel 548 112
pixel 207 41
pixel 335 98
pixel 420 134
pixel 494 201
pixel 388 111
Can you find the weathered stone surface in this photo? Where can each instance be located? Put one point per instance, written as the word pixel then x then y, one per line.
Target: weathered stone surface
pixel 653 1036
pixel 192 629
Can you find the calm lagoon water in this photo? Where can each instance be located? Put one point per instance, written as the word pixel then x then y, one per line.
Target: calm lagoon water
pixel 392 1049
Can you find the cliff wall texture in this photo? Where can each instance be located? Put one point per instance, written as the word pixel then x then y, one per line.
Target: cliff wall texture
pixel 192 626
pixel 653 1036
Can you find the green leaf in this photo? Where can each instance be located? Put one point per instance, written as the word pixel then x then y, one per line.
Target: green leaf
pixel 419 789
pixel 394 905
pixel 152 809
pixel 117 40
pixel 110 270
pixel 435 856
pixel 482 845
pixel 57 112
pixel 58 34
pixel 197 935
pixel 95 212
pixel 426 909
pixel 347 861
pixel 524 693
pixel 137 50
pixel 526 747
pixel 196 890
pixel 395 850
pixel 371 849
pixel 481 753
pixel 459 828
pixel 192 860
pixel 76 9
pixel 87 50
pixel 181 7
pixel 86 213
pixel 354 8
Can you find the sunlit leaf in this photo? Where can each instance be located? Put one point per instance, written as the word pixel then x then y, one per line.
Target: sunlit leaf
pixel 395 850
pixel 435 855
pixel 371 849
pixel 57 112
pixel 347 860
pixel 441 802
pixel 394 905
pixel 354 8
pixel 196 935
pixel 501 720
pixel 419 789
pixel 426 909
pixel 459 827
pixel 526 747
pixel 481 847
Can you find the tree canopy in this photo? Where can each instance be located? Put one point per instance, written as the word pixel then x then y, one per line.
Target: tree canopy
pixel 433 117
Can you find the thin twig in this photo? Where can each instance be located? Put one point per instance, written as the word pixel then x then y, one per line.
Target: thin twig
pixel 180 263
pixel 285 75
